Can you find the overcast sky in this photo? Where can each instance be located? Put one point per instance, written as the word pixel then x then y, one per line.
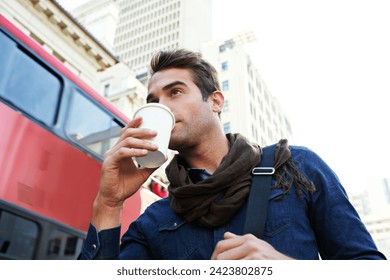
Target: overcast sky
pixel 328 63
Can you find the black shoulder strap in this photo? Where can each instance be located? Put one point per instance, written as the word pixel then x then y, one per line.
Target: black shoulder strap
pixel 258 197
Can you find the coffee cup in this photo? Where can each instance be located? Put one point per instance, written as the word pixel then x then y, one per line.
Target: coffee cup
pixel 159 118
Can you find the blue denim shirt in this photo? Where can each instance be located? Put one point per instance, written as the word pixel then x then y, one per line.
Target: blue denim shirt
pixel 322 224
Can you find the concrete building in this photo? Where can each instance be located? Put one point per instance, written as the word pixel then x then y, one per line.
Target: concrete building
pixel 60 34
pixel 146 27
pixel 101 18
pixel 249 108
pixel 119 85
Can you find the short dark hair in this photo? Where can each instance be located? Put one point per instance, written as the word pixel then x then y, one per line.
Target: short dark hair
pixel 204 74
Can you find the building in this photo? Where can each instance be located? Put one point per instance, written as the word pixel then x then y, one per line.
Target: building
pixel 119 85
pixel 60 34
pixel 101 18
pixel 249 108
pixel 146 27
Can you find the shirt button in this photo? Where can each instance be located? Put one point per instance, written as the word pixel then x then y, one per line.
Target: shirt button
pixel 175 224
pixel 94 247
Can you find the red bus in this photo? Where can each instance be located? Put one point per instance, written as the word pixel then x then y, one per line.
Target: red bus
pixel 54 130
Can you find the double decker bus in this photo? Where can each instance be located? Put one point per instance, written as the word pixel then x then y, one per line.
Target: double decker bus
pixel 54 131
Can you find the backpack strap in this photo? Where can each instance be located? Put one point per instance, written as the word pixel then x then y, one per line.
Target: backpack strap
pixel 258 197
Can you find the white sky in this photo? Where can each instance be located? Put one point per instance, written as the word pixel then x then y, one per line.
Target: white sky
pixel 328 63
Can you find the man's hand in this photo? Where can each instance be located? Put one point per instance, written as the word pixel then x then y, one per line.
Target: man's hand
pixel 245 247
pixel 120 177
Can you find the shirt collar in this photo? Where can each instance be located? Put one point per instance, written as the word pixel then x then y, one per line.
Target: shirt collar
pixel 198 174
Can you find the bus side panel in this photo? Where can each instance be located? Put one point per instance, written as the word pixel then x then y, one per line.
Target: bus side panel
pixel 45 174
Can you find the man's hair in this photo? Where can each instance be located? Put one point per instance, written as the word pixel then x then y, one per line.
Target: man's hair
pixel 204 74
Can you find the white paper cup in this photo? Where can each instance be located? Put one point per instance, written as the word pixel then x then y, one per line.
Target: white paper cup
pixel 157 117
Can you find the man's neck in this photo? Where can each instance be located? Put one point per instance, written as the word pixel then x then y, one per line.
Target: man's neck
pixel 208 155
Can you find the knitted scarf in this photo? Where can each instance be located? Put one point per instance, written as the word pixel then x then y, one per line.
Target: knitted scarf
pixel 213 201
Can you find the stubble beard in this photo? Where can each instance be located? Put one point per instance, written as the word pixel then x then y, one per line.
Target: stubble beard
pixel 182 140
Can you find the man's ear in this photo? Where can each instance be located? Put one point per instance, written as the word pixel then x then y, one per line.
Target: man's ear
pixel 217 100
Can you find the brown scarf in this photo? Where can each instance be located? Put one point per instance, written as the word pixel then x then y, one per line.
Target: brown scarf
pixel 213 201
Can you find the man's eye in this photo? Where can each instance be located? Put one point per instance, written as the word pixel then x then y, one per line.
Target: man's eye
pixel 176 91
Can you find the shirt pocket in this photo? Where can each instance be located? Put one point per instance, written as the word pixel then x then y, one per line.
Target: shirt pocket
pixel 278 218
pixel 177 240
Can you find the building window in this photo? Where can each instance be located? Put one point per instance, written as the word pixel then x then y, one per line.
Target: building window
pixel 225 85
pixel 224 66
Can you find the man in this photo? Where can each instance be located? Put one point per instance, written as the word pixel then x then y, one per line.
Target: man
pixel 203 217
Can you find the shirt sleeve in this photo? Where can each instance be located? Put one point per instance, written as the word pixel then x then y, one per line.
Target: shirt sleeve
pixel 340 233
pixel 101 245
pixel 135 245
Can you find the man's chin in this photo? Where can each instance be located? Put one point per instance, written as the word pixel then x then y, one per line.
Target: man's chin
pixel 175 144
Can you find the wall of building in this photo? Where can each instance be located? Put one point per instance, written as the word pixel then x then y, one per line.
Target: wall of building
pixel 250 108
pixel 100 17
pixel 119 85
pixel 146 27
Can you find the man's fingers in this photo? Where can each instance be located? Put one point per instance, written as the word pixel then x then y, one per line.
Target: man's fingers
pixel 136 147
pixel 235 247
pixel 132 129
pixel 229 235
pixel 234 253
pixel 142 133
pixel 230 241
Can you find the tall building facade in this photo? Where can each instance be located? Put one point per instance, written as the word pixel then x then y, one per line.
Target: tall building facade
pixel 145 27
pixel 250 108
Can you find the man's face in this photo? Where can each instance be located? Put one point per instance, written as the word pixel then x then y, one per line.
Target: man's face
pixel 194 117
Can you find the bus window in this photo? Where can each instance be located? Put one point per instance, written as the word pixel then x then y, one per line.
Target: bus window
pixel 18 236
pixel 71 245
pixel 62 245
pixel 26 84
pixel 90 126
